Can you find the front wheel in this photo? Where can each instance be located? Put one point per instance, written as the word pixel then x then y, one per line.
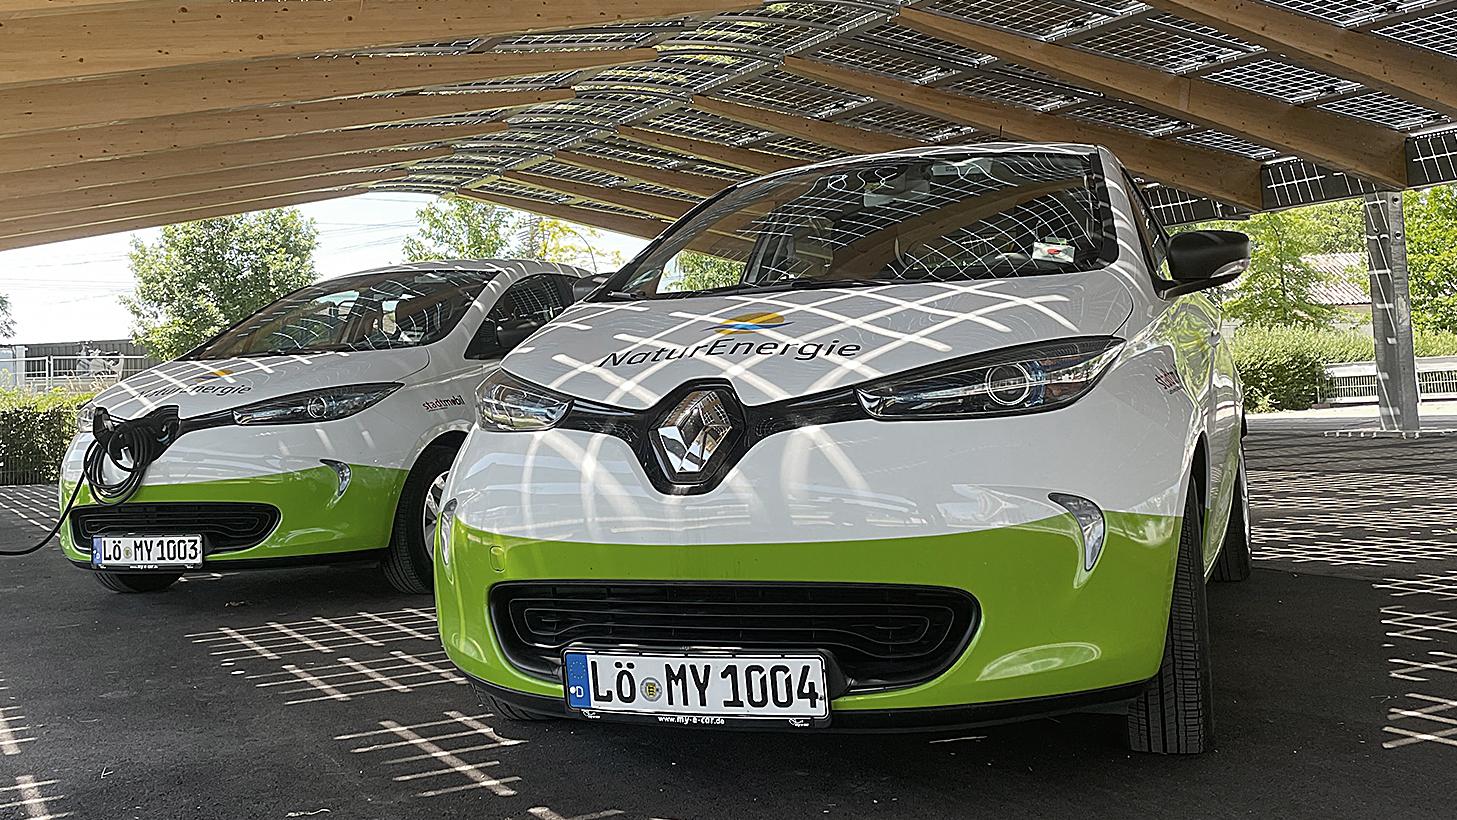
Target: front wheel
pixel 136 581
pixel 409 564
pixel 1175 713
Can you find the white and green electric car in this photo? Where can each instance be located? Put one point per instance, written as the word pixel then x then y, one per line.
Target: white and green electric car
pixel 920 439
pixel 318 429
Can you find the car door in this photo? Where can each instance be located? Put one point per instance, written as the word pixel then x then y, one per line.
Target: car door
pixel 1206 367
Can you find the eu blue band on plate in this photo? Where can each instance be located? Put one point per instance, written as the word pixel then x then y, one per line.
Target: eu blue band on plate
pixel 579 681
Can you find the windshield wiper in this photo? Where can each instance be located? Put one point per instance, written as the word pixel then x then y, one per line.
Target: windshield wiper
pixel 625 295
pixel 809 284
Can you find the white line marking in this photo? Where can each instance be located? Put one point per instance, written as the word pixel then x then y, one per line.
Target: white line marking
pixel 333 694
pixel 247 641
pixel 300 637
pixel 373 675
pixel 355 634
pixel 477 778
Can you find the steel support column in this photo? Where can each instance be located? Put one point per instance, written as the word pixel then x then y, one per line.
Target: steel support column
pixel 1396 369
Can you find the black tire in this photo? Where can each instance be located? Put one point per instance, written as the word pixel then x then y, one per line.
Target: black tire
pixel 506 710
pixel 136 581
pixel 1233 563
pixel 408 564
pixel 1175 713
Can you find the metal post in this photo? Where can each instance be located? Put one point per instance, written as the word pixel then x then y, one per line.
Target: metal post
pixel 1396 366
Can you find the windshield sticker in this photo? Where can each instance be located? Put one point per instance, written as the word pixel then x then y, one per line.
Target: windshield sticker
pixel 802 351
pixel 1054 252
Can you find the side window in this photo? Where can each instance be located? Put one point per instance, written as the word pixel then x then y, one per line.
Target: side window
pixel 1155 241
pixel 524 307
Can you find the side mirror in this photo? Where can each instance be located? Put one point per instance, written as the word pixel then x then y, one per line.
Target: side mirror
pixel 496 339
pixel 1199 260
pixel 583 287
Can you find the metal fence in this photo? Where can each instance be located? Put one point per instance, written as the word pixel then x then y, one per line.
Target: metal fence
pixel 1355 383
pixel 80 374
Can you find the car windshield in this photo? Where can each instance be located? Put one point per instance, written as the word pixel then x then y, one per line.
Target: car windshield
pixel 377 311
pixel 947 216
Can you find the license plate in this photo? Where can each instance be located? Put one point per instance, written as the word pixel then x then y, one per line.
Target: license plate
pixel 697 688
pixel 146 552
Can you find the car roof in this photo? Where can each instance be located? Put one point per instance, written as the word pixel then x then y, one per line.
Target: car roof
pixel 516 267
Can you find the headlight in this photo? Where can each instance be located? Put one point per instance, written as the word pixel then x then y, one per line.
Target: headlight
pixel 1024 379
pixel 327 404
pixel 504 402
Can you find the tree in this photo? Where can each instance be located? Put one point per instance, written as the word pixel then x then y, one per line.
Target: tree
pixel 7 324
pixel 1431 256
pixel 1279 288
pixel 202 276
pixel 702 271
pixel 461 228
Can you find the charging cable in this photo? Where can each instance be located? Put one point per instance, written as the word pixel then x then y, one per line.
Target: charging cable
pixel 129 446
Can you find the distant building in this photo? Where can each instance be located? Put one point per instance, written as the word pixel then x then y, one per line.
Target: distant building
pixel 1346 287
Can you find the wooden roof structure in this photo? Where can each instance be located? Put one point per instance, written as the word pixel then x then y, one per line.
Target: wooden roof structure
pixel 121 114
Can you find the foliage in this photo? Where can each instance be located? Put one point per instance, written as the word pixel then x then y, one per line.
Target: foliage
pixel 461 228
pixel 35 429
pixel 7 324
pixel 201 277
pixel 1431 256
pixel 701 271
pixel 1279 288
pixel 1339 227
pixel 1283 368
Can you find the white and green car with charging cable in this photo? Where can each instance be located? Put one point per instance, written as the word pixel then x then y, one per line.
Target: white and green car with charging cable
pixel 318 429
pixel 922 439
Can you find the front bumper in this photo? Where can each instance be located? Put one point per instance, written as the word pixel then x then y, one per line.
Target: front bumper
pixel 1048 628
pixel 315 521
pixel 907 719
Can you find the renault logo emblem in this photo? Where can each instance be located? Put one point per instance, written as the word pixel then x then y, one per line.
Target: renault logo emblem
pixel 692 432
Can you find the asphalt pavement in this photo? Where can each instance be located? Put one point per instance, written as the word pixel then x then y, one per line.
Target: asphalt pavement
pixel 319 693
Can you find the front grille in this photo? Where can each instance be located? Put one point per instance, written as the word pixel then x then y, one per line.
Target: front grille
pixel 224 527
pixel 880 635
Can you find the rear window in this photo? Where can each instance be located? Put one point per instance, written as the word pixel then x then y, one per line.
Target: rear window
pixel 381 311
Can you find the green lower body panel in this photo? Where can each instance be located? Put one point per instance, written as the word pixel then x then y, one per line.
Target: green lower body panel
pixel 1047 627
pixel 312 520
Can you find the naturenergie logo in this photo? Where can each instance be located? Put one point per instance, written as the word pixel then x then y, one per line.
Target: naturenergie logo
pixel 752 323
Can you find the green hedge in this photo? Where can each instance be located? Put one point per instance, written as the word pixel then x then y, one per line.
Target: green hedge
pixel 1283 368
pixel 35 429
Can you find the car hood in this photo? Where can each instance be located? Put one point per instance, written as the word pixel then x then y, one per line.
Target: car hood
pixel 198 387
pixel 784 344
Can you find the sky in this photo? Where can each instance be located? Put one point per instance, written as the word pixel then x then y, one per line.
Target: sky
pixel 68 291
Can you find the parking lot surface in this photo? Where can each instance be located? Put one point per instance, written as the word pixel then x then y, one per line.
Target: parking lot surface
pixel 317 693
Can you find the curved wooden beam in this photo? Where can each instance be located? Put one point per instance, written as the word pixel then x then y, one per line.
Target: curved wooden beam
pixel 212 159
pixel 747 159
pixel 65 234
pixel 147 35
pixel 843 137
pixel 1412 73
pixel 159 134
pixel 1348 144
pixel 177 91
pixel 163 208
pixel 695 184
pixel 129 192
pixel 1216 174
